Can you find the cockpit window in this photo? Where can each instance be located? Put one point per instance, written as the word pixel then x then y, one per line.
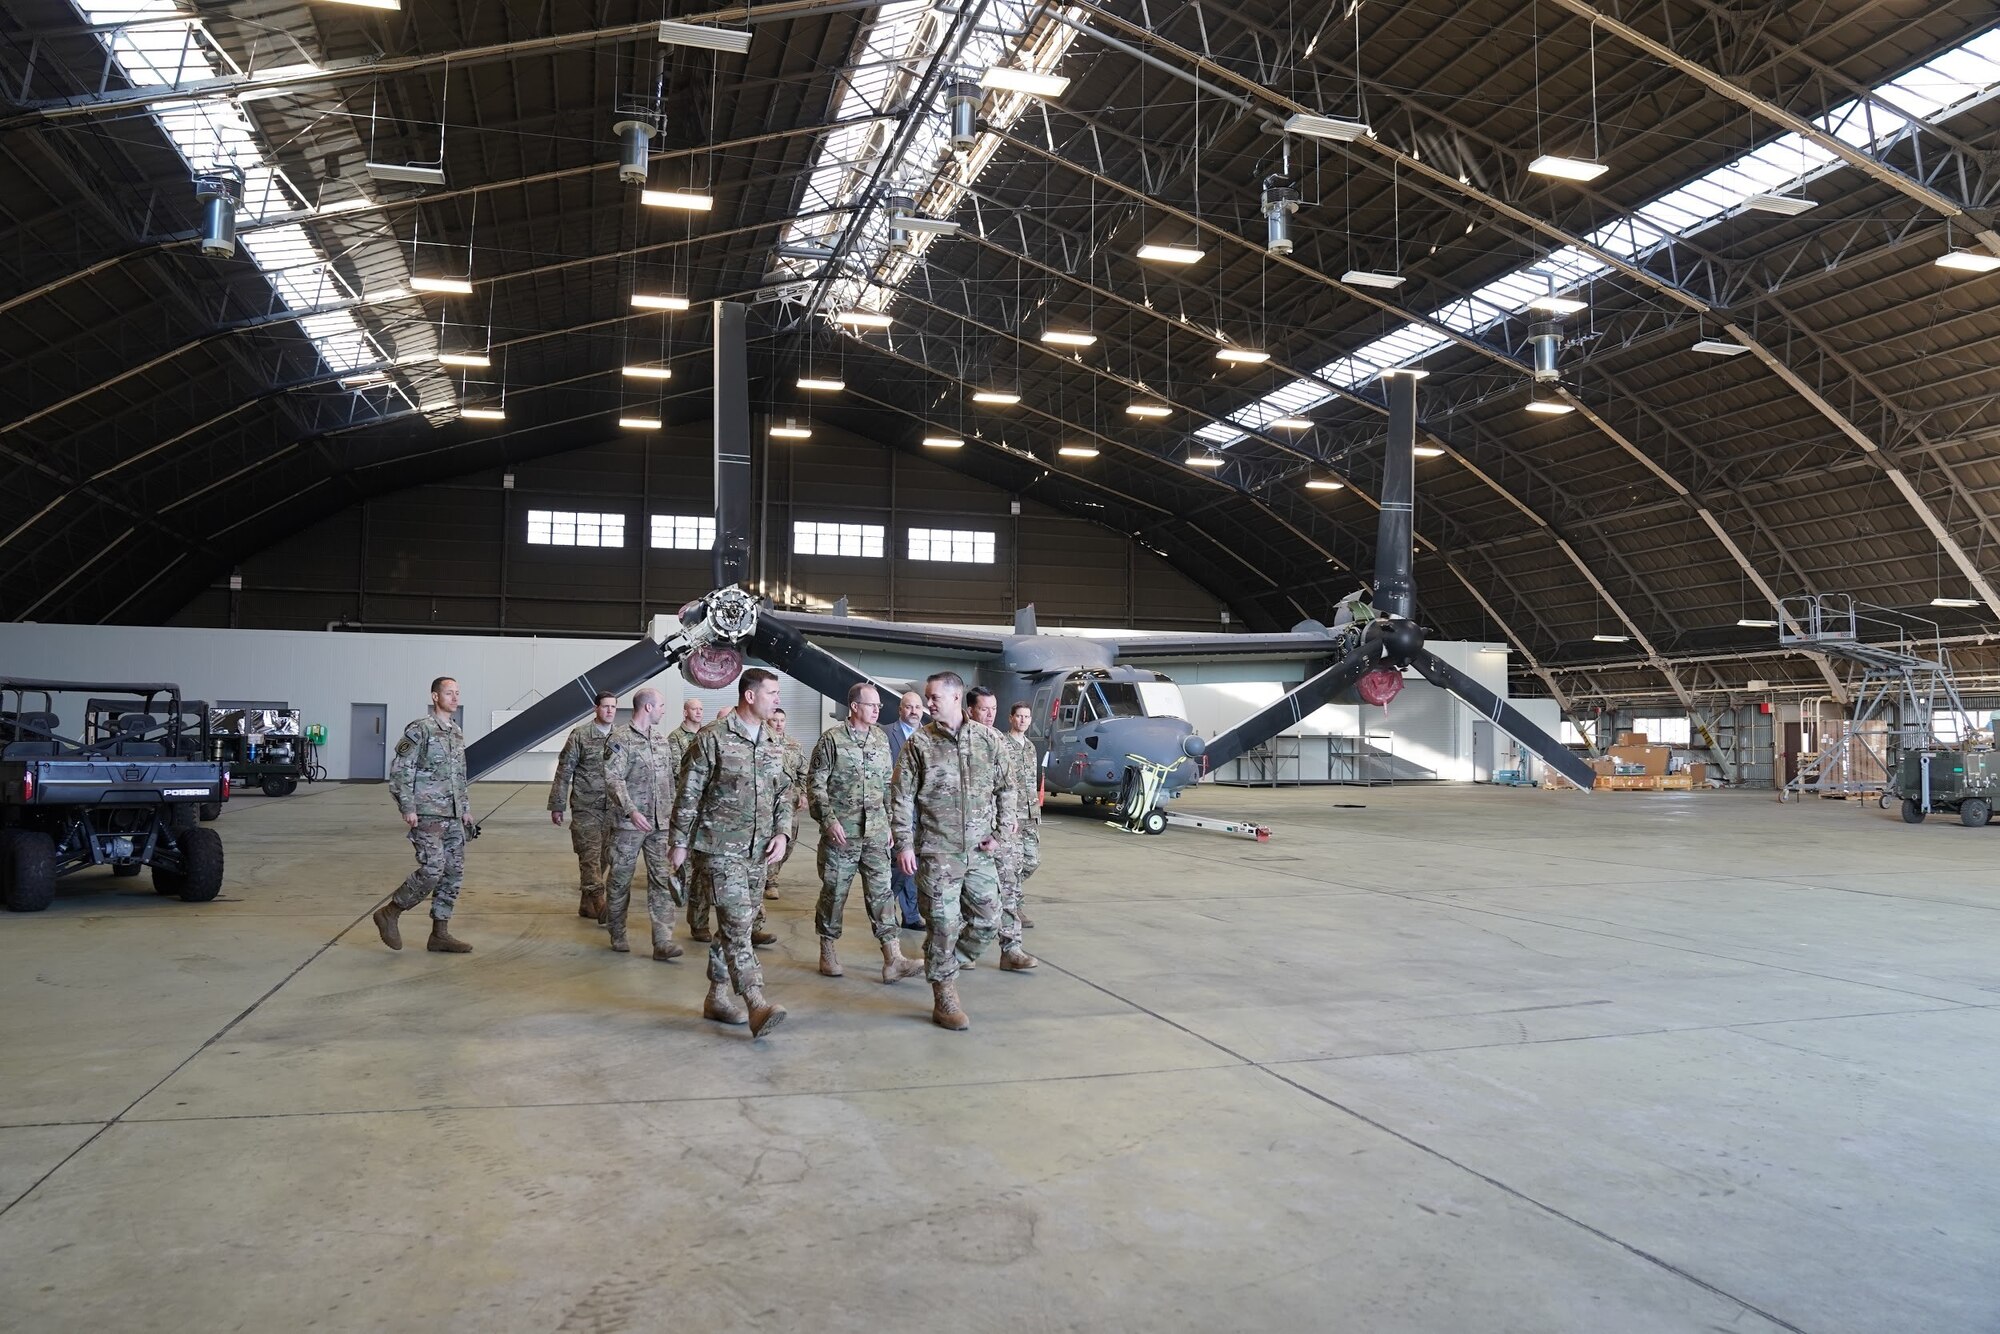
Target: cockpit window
pixel 1162 699
pixel 1119 699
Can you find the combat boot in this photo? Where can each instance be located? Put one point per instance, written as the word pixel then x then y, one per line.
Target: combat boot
pixel 618 941
pixel 1027 921
pixel 664 947
pixel 896 967
pixel 829 962
pixel 764 1015
pixel 1014 959
pixel 770 891
pixel 586 903
pixel 723 1007
pixel 386 925
pixel 759 936
pixel 701 935
pixel 945 1009
pixel 442 941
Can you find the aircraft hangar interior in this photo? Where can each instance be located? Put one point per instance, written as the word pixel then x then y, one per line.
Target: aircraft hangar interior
pixel 889 664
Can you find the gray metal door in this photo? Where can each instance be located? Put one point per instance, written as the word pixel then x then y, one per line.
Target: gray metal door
pixel 1482 751
pixel 368 742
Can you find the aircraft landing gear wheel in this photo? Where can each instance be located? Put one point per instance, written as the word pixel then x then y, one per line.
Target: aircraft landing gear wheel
pixel 1155 821
pixel 1881 801
pixel 1974 812
pixel 1912 812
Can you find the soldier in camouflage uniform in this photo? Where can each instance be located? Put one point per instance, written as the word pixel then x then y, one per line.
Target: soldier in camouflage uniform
pixel 698 906
pixel 848 793
pixel 678 742
pixel 795 769
pixel 640 768
pixel 579 784
pixel 949 801
pixel 734 811
pixel 1021 844
pixel 427 779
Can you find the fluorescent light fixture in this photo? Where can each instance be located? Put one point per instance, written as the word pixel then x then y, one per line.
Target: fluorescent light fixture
pixel 408 172
pixel 365 380
pixel 1428 452
pixel 1371 278
pixel 1024 81
pixel 1550 407
pixel 995 397
pixel 369 4
pixel 1717 347
pixel 911 222
pixel 733 40
pixel 1148 410
pixel 1067 338
pixel 1171 254
pixel 863 319
pixel 1752 623
pixel 1558 305
pixel 650 301
pixel 820 382
pixel 1611 639
pixel 682 199
pixel 1567 168
pixel 1078 451
pixel 1954 602
pixel 648 372
pixel 791 432
pixel 448 286
pixel 1243 355
pixel 1205 460
pixel 1320 484
pixel 943 442
pixel 1789 205
pixel 475 359
pixel 640 423
pixel 483 414
pixel 1410 371
pixel 1292 423
pixel 1342 129
pixel 1969 261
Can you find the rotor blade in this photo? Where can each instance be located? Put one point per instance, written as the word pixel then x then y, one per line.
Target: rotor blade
pixel 1506 717
pixel 792 653
pixel 1267 722
pixel 567 705
pixel 730 414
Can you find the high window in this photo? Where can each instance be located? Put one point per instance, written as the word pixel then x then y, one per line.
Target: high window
pixel 960 545
pixel 1664 731
pixel 838 539
pixel 570 528
pixel 683 532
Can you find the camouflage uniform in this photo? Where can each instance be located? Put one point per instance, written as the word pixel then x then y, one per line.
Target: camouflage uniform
pixel 579 784
pixel 1020 846
pixel 952 791
pixel 427 778
pixel 639 773
pixel 734 797
pixel 848 783
pixel 795 773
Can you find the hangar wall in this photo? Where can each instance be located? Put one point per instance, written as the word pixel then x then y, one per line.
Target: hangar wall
pixel 455 555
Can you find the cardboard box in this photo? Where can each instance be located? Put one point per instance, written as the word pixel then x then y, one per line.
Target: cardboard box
pixel 1632 739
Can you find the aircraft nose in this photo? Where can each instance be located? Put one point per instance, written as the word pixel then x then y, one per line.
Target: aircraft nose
pixel 1192 746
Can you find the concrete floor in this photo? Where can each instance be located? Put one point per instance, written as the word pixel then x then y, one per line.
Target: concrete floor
pixel 1462 1060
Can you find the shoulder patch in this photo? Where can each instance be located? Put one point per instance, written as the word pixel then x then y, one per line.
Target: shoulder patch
pixel 405 746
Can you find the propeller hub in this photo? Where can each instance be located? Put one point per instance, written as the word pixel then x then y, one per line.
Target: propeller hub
pixel 1403 641
pixel 732 615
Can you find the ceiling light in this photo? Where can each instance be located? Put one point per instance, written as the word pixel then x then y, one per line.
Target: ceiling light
pixel 1319 484
pixel 1557 305
pixel 381 294
pixel 733 40
pixel 1789 205
pixel 1752 623
pixel 483 414
pixel 943 442
pixel 863 319
pixel 682 199
pixel 1954 602
pixel 1567 168
pixel 640 423
pixel 1078 451
pixel 450 286
pixel 1610 639
pixel 1148 410
pixel 1410 371
pixel 1716 347
pixel 791 432
pixel 817 382
pixel 1371 278
pixel 365 380
pixel 1292 423
pixel 1066 338
pixel 910 222
pixel 370 4
pixel 477 359
pixel 1205 460
pixel 648 372
pixel 1171 254
pixel 408 172
pixel 1024 81
pixel 995 396
pixel 1428 452
pixel 1241 354
pixel 1339 128
pixel 1550 407
pixel 1969 261
pixel 650 301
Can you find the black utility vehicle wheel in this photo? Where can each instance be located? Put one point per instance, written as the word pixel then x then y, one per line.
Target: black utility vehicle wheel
pixel 125 870
pixel 291 786
pixel 273 787
pixel 201 853
pixel 1974 812
pixel 31 870
pixel 211 810
pixel 1912 812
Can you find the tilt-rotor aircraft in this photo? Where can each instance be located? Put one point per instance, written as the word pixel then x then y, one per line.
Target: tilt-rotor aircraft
pixel 1098 720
